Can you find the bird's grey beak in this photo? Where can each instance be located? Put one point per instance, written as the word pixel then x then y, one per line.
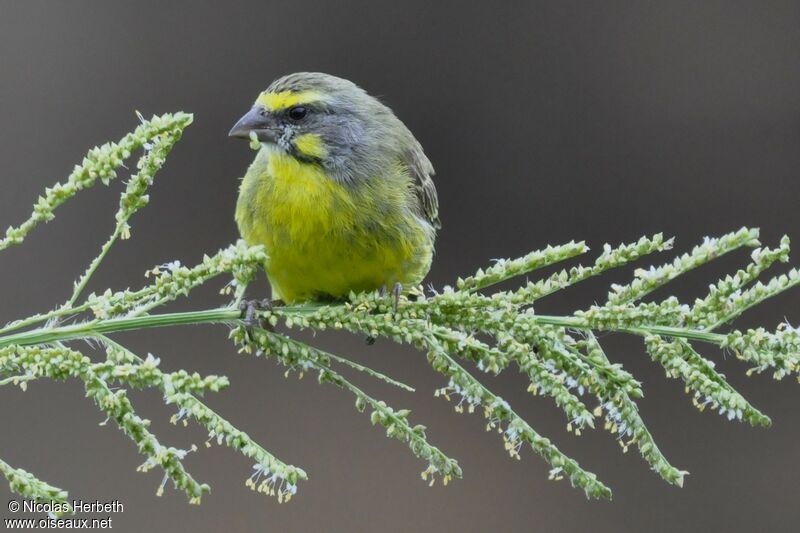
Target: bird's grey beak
pixel 256 120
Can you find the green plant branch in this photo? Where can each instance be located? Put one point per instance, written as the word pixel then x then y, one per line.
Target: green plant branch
pixel 233 316
pixel 44 317
pixel 135 196
pixel 468 324
pixel 29 486
pixel 623 418
pixel 340 360
pixel 59 362
pixel 299 356
pixel 100 164
pixel 175 392
pixel 499 411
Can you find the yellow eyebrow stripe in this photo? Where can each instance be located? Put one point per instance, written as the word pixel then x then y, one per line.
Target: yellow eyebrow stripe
pixel 286 99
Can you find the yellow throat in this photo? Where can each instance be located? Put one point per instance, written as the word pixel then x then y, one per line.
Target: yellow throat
pixel 326 238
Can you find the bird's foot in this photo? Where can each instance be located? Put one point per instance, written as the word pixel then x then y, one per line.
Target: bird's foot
pixel 396 291
pixel 250 309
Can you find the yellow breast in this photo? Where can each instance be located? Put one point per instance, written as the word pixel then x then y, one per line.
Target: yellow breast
pixel 325 238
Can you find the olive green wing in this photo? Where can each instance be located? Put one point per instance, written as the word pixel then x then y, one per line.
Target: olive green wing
pixel 422 172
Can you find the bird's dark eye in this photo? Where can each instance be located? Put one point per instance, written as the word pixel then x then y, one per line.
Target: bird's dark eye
pixel 298 112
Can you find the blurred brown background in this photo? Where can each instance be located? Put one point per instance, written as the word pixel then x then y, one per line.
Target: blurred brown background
pixel 546 121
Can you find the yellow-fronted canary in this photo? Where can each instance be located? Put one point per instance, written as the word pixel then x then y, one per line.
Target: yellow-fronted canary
pixel 340 193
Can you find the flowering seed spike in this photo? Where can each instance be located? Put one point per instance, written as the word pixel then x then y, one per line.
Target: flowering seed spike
pixel 457 327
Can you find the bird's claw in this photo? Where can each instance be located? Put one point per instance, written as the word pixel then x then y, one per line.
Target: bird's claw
pixel 250 318
pixel 396 291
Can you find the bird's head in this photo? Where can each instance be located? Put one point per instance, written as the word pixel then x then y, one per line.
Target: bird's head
pixel 328 121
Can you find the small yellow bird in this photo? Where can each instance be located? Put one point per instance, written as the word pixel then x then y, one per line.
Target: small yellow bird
pixel 340 193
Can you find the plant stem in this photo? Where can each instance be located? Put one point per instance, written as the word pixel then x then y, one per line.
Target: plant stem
pixel 94 265
pixel 667 331
pixel 230 315
pixel 100 327
pixel 35 319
